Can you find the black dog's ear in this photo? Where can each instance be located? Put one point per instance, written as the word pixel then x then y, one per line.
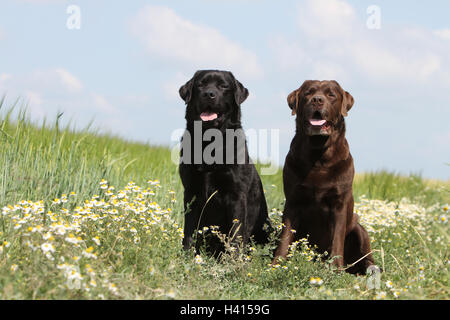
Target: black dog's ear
pixel 347 103
pixel 186 90
pixel 240 92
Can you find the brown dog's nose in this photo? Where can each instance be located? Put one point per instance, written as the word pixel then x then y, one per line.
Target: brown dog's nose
pixel 318 100
pixel 209 94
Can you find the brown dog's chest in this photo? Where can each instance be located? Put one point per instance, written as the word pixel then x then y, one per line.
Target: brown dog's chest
pixel 314 212
pixel 317 186
pixel 324 200
pixel 317 197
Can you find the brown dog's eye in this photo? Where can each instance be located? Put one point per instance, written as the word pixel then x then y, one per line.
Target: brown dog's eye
pixel 331 94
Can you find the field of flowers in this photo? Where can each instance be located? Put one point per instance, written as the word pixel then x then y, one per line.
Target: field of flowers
pixel 80 219
pixel 123 244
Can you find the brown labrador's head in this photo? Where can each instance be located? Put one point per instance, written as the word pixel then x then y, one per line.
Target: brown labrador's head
pixel 320 106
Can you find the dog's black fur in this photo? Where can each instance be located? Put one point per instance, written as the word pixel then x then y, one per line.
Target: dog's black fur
pixel 238 207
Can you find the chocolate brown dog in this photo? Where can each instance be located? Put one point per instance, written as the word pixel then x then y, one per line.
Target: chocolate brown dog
pixel 318 176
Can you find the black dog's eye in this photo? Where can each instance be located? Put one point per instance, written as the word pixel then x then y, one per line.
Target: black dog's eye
pixel 201 84
pixel 224 86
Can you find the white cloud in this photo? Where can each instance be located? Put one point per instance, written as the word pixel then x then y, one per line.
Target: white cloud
pixel 326 18
pixel 172 87
pixel 442 33
pixel 5 77
pixel 48 91
pixel 34 101
pixel 328 70
pixel 41 1
pixel 33 98
pixel 57 80
pixel 103 104
pixel 335 43
pixel 172 37
pixel 69 80
pixel 289 54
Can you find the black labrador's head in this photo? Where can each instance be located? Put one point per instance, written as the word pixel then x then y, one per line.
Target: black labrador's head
pixel 214 97
pixel 320 107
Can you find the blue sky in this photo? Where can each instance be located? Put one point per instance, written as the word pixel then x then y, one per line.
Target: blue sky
pixel 125 64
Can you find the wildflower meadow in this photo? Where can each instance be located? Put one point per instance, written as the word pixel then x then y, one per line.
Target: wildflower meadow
pixel 85 215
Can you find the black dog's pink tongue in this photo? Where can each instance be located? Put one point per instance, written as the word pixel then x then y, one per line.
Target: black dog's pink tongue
pixel 208 116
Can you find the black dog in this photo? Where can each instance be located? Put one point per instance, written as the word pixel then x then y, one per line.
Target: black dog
pixel 221 185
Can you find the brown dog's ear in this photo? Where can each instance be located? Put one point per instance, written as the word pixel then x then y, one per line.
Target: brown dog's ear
pixel 186 90
pixel 292 101
pixel 293 98
pixel 347 103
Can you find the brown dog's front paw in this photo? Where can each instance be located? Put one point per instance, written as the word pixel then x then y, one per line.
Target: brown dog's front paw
pixel 275 261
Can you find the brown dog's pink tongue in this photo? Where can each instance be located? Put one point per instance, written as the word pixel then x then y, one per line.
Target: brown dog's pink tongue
pixel 317 122
pixel 208 116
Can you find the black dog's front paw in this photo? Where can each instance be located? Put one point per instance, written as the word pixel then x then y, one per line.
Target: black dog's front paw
pixel 188 242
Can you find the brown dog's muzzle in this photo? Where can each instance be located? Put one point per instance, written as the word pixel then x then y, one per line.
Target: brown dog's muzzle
pixel 317 120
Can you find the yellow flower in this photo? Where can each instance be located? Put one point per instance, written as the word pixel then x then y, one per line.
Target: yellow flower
pixel 315 281
pixel 380 295
pixel 113 288
pixel 198 259
pixel 96 239
pixel 47 247
pixel 171 294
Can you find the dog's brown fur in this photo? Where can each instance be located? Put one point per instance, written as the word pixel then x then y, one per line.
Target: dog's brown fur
pixel 318 177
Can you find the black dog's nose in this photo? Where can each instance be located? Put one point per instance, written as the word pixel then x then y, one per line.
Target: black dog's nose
pixel 318 100
pixel 209 94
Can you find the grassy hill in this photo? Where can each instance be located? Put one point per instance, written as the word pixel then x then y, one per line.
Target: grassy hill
pixel 91 216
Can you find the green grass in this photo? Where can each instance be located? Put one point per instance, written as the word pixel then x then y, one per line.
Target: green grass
pixel 138 254
pixel 393 187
